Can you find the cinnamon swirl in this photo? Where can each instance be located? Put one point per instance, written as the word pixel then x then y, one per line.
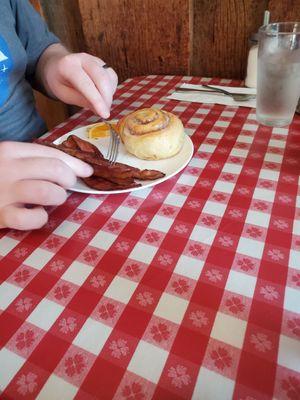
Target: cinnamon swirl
pixel 151 134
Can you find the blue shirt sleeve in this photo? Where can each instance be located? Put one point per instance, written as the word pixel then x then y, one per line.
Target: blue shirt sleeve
pixel 32 32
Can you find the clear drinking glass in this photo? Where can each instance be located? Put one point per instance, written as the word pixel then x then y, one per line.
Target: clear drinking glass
pixel 278 73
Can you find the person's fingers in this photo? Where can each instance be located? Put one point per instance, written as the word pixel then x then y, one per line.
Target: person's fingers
pixel 25 150
pixel 44 168
pixel 38 192
pixel 100 78
pixel 81 81
pixel 113 78
pixel 21 218
pixel 72 96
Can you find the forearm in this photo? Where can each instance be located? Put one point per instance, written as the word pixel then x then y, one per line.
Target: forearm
pixel 49 58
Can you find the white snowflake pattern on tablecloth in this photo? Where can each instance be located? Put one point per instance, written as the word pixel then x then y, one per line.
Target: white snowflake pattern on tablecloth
pixel 26 383
pixel 22 275
pixel 145 298
pixel 209 220
pixel 105 209
pixel 280 224
pixel 235 213
pixel 107 310
pixel 225 241
pixel 62 291
pixel 152 237
pixel 75 365
pixel 235 305
pixel 160 332
pixel 196 250
pixel 132 270
pixel 141 218
pixel 194 204
pixel 221 358
pixel 276 254
pixel 84 234
pixel 269 292
pixel 249 171
pixel 23 304
pixel 214 165
pixel 293 325
pixel 57 265
pixel 291 386
pixel 157 195
pixel 214 275
pixel 261 342
pixel 122 246
pixel 165 259
pixel 254 232
pixel 205 183
pixel 67 325
pixel 228 177
pixel 198 318
pixel 245 263
pixel 97 281
pixel 119 348
pixel 133 391
pixel 285 199
pixel 21 252
pixel 113 226
pixel 91 255
pixel 179 376
pixel 180 229
pixel 168 211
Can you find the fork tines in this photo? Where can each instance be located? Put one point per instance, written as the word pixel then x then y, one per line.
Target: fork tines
pixel 113 148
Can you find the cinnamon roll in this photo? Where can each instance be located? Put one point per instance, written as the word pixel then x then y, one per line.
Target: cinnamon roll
pixel 151 134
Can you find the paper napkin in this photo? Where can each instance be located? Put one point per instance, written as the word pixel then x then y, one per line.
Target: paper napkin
pixel 214 98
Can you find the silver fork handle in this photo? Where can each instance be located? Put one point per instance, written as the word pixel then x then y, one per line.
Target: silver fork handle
pixel 212 91
pixel 218 90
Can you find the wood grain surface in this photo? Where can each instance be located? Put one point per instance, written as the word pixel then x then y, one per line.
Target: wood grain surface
pixel 137 37
pixel 222 30
pixel 64 19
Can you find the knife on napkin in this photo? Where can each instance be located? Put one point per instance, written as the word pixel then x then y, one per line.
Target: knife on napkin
pixel 204 95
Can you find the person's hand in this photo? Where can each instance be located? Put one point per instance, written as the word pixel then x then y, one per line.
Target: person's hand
pixel 33 176
pixel 78 79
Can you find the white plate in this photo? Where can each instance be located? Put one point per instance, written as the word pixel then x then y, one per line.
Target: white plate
pixel 170 166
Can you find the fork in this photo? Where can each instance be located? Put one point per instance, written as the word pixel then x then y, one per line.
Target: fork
pixel 113 147
pixel 235 96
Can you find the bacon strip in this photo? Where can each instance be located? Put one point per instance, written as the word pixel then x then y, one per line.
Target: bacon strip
pixel 84 145
pixel 70 143
pixel 106 176
pixel 103 184
pixel 148 174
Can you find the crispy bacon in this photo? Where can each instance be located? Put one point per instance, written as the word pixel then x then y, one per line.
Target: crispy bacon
pixel 85 146
pixel 106 176
pixel 103 184
pixel 70 143
pixel 148 174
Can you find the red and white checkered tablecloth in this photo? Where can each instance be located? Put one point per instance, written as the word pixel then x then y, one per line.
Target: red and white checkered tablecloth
pixel 187 290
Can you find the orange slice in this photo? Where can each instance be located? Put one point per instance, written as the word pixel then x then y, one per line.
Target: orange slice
pixel 98 131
